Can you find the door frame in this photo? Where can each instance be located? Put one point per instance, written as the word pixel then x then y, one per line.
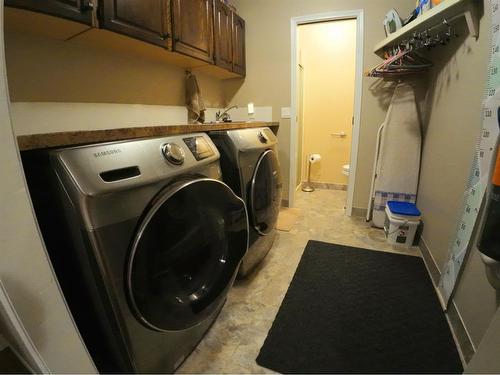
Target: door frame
pixel 295 22
pixel 21 343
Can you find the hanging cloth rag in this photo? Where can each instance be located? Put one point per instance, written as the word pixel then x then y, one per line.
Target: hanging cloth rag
pixel 194 101
pixel 398 164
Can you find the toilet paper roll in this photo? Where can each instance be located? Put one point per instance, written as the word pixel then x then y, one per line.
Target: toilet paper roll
pixel 314 158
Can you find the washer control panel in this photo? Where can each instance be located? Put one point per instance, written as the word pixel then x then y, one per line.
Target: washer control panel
pixel 199 147
pixel 173 153
pixel 106 167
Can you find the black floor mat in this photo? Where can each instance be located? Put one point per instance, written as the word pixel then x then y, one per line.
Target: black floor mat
pixel 354 310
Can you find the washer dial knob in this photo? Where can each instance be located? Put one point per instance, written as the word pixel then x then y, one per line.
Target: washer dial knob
pixel 173 153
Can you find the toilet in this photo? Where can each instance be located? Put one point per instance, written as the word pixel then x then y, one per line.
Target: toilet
pixel 345 170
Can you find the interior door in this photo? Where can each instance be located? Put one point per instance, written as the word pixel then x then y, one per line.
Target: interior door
pixel 300 173
pixel 144 20
pixel 329 88
pixel 193 28
pixel 265 193
pixel 186 254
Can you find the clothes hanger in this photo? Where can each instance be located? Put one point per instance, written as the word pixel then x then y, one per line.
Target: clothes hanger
pixel 397 53
pixel 403 59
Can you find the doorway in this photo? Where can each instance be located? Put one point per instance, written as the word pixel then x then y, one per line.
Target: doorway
pixel 326 100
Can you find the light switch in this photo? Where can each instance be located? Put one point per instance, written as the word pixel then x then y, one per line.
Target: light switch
pixel 286 112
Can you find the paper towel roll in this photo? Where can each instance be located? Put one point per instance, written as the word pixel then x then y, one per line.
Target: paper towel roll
pixel 314 158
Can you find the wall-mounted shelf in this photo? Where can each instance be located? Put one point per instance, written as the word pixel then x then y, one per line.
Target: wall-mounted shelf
pixel 448 9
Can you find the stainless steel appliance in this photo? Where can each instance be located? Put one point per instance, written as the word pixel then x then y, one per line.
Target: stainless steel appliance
pixel 146 241
pixel 251 168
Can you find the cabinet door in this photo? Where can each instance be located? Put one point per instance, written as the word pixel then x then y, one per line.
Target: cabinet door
pixel 75 10
pixel 193 28
pixel 239 56
pixel 147 20
pixel 223 28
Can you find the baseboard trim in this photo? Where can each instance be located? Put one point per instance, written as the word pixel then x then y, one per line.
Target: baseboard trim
pixel 430 262
pixel 285 203
pixel 460 333
pixel 466 348
pixel 327 186
pixel 358 211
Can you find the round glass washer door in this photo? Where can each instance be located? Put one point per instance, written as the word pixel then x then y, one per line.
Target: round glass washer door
pixel 186 254
pixel 265 193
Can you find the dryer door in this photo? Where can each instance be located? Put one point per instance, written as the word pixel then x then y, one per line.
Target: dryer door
pixel 186 254
pixel 265 193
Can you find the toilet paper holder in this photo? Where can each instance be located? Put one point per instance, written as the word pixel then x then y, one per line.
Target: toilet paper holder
pixel 341 134
pixel 313 158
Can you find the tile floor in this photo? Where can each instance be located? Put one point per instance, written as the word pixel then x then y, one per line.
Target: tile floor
pixel 235 339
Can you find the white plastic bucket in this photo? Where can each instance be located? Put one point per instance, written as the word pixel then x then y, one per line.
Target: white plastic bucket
pixel 400 229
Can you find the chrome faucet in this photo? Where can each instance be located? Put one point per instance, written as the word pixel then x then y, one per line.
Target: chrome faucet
pixel 224 116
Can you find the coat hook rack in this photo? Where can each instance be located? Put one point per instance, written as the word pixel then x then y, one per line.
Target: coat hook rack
pixel 401 49
pixel 434 22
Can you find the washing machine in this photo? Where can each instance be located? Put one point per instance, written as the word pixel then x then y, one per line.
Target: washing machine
pixel 250 166
pixel 146 241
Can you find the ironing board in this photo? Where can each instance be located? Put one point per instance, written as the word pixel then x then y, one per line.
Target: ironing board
pixel 398 163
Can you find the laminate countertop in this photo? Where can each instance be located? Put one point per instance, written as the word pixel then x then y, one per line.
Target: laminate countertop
pixel 81 137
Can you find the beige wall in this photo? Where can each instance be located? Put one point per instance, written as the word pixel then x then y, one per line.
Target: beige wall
pixel 453 121
pixel 42 69
pixel 268 60
pixel 452 124
pixel 24 267
pixel 487 360
pixel 328 54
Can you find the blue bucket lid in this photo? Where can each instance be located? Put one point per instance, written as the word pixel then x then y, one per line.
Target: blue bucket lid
pixel 403 208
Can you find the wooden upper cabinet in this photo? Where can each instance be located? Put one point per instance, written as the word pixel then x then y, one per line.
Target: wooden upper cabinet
pixel 75 10
pixel 193 28
pixel 223 29
pixel 146 20
pixel 207 30
pixel 239 55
